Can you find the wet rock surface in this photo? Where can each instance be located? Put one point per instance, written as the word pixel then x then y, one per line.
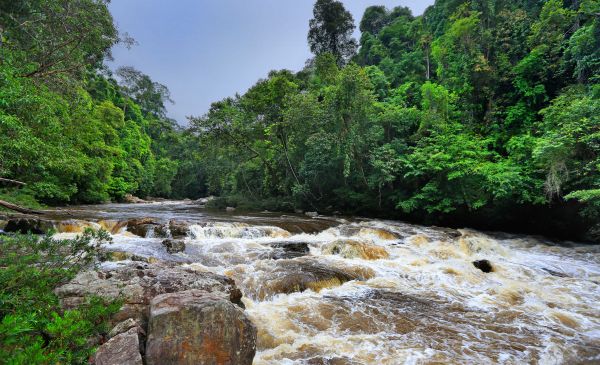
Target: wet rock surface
pixel 197 327
pixel 298 275
pixel 137 283
pixel 179 229
pixel 28 225
pixel 287 250
pixel 173 245
pixel 142 226
pixel 483 265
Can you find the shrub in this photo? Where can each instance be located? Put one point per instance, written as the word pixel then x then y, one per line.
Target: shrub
pixel 33 328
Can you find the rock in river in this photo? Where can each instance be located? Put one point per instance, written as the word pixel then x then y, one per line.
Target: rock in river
pixel 174 246
pixel 200 328
pixel 137 283
pixel 483 265
pixel 28 225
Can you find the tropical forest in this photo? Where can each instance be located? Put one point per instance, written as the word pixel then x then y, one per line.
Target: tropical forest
pixel 425 189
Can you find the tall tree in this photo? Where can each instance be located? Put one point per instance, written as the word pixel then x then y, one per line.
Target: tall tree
pixel 331 30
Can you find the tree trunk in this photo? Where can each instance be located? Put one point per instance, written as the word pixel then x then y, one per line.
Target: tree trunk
pixel 19 209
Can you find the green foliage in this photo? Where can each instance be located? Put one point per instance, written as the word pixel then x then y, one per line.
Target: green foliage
pixel 331 30
pixel 33 328
pixel 67 129
pixel 475 109
pixel 470 110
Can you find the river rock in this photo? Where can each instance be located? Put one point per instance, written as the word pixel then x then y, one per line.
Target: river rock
pixel 289 276
pixel 123 349
pixel 174 246
pixel 311 214
pixel 28 225
pixel 131 199
pixel 483 265
pixel 230 209
pixel 287 250
pixel 196 327
pixel 107 255
pixel 142 226
pixel 137 283
pixel 179 229
pixel 204 201
pixel 351 249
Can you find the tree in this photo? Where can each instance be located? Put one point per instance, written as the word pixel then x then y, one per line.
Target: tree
pixel 150 95
pixel 374 19
pixel 331 30
pixel 59 37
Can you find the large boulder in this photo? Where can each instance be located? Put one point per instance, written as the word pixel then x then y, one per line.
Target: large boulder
pixel 28 225
pixel 137 283
pixel 196 327
pixel 123 349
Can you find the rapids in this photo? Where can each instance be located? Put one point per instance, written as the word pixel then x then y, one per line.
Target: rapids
pixel 335 291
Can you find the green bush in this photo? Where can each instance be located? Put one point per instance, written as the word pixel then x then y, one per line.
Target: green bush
pixel 33 328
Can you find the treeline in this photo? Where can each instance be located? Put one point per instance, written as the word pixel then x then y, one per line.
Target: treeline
pixel 478 112
pixel 483 113
pixel 67 127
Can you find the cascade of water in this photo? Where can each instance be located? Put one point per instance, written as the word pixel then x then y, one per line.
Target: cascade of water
pixel 380 292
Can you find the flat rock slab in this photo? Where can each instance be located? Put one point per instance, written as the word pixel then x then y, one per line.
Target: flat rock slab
pixel 196 327
pixel 137 283
pixel 123 349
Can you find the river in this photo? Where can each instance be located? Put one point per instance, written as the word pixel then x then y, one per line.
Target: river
pixel 330 290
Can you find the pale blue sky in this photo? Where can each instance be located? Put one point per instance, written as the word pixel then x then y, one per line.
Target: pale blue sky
pixel 205 50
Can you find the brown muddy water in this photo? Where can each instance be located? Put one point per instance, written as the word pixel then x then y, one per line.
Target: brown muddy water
pixel 339 291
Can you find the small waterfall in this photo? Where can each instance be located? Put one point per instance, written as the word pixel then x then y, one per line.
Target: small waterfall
pixel 235 230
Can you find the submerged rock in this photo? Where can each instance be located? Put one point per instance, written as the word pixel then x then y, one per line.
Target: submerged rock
pixel 137 283
pixel 123 349
pixel 198 327
pixel 289 276
pixel 287 250
pixel 351 249
pixel 380 233
pixel 28 225
pixel 174 246
pixel 483 265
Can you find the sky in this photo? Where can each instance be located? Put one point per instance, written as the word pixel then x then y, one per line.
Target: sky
pixel 206 50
